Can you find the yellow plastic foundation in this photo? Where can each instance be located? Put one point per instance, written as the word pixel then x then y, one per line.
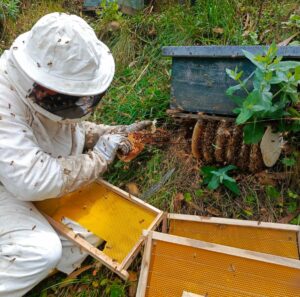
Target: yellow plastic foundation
pixel 271 241
pixel 176 268
pixel 108 215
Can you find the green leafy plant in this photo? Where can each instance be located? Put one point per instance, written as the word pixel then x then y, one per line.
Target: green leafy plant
pixel 289 162
pixel 293 201
pixel 113 288
pixel 9 8
pixel 188 197
pixel 294 21
pixel 295 221
pixel 109 11
pixel 213 177
pixel 272 193
pixel 270 94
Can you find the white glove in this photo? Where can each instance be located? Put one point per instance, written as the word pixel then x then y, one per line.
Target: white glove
pixel 109 144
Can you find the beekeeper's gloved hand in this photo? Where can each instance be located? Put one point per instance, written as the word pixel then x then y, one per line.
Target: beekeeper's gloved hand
pixel 125 129
pixel 94 131
pixel 109 144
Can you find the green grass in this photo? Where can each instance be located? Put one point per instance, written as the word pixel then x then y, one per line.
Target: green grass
pixel 141 90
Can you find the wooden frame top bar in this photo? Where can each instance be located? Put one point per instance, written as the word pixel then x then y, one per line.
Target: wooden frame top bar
pixel 245 223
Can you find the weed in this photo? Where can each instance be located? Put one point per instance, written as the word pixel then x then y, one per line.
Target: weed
pixel 273 96
pixel 296 221
pixel 9 8
pixel 289 162
pixel 113 288
pixel 214 177
pixel 272 193
pixel 188 197
pixel 294 21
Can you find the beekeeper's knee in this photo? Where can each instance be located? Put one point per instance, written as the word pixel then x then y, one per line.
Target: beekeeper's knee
pixel 49 250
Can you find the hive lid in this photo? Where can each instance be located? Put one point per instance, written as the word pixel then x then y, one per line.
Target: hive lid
pixel 217 51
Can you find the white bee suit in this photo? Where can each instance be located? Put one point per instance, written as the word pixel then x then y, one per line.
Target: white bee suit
pixel 41 155
pixel 39 159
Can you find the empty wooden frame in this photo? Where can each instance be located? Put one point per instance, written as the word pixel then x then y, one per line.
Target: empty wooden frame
pixel 270 238
pixel 173 264
pixel 110 213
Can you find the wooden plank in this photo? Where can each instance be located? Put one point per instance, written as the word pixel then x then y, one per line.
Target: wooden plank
pixel 213 220
pixel 143 279
pixel 199 78
pixel 89 248
pixel 127 6
pixel 227 250
pixel 128 196
pixel 165 223
pixel 177 114
pixel 199 85
pixel 189 294
pixel 216 51
pixel 157 221
pixel 136 249
pixel 133 253
pixel 132 5
pixel 179 264
pixel 298 235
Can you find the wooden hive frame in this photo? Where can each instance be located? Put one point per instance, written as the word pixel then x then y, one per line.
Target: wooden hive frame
pixel 271 238
pixel 120 268
pixel 173 264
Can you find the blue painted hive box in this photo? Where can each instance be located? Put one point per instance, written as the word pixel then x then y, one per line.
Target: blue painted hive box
pixel 134 4
pixel 199 79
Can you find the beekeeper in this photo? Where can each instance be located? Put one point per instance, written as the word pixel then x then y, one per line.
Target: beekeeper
pixel 52 77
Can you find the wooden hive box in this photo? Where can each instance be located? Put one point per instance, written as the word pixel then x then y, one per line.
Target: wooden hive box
pixel 110 213
pixel 199 79
pixel 270 238
pixel 131 5
pixel 175 266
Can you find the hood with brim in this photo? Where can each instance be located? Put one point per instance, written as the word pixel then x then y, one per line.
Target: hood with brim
pixel 23 85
